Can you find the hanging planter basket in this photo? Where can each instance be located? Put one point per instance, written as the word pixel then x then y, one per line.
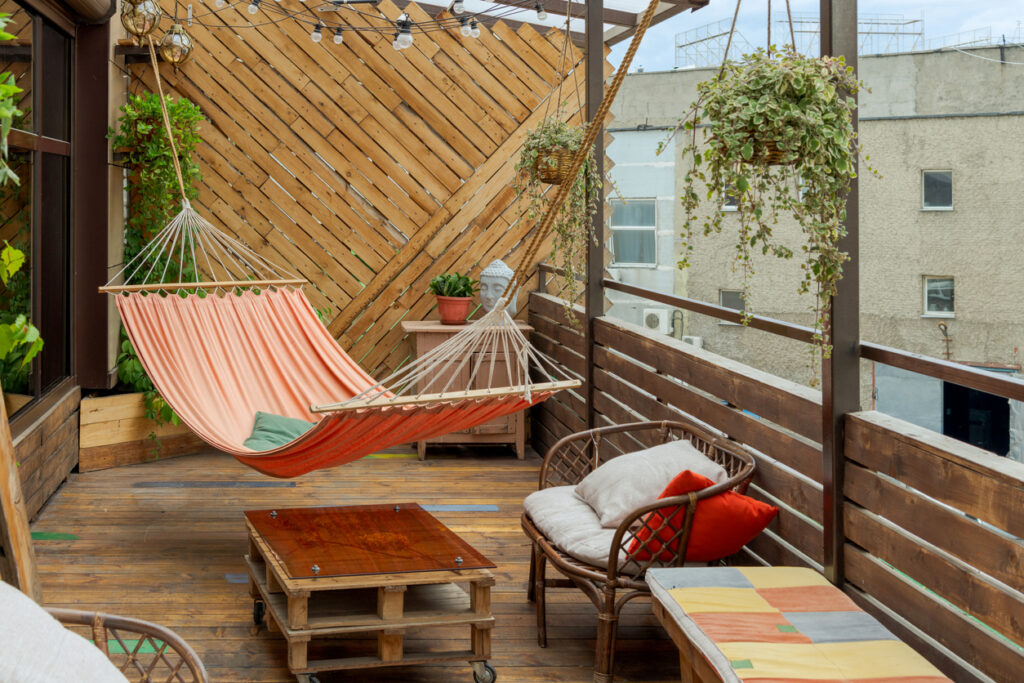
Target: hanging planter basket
pixel 552 165
pixel 770 155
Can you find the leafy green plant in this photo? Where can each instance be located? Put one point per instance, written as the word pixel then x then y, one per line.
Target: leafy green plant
pixel 153 201
pixel 8 108
pixel 453 284
pixel 572 226
pixel 779 137
pixel 20 341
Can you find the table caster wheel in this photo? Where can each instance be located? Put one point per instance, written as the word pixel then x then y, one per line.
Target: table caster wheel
pixel 259 610
pixel 485 674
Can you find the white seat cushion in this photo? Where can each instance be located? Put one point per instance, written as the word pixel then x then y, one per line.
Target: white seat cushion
pixel 570 524
pixel 629 481
pixel 36 647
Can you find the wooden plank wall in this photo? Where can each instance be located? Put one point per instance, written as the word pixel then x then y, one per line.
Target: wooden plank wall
pixel 643 377
pixel 933 545
pixel 366 169
pixel 48 451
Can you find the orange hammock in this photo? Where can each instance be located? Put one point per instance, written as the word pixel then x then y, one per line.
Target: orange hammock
pixel 219 359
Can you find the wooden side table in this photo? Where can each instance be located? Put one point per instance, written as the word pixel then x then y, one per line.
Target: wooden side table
pixel 429 334
pixel 315 573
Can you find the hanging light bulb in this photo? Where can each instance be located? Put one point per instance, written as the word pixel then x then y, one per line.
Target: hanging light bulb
pixel 541 14
pixel 140 20
pixel 474 30
pixel 395 43
pixel 465 30
pixel 220 4
pixel 458 7
pixel 317 34
pixel 177 45
pixel 405 35
pixel 254 7
pixel 338 38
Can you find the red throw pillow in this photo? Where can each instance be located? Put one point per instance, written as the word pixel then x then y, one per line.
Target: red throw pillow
pixel 722 524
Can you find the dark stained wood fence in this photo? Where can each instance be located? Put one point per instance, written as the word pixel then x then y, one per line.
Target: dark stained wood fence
pixel 933 526
pixel 365 169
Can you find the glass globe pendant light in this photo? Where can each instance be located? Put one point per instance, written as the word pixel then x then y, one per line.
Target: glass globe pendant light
pixel 140 19
pixel 177 45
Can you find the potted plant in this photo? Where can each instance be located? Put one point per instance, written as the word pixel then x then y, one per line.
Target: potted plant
pixel 454 296
pixel 778 136
pixel 545 157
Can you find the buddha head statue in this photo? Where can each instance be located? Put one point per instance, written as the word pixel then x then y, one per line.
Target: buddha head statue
pixel 493 281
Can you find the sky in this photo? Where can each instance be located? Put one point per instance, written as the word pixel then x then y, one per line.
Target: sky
pixel 940 18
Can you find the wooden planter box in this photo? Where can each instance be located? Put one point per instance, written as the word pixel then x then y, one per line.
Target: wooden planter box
pixel 115 431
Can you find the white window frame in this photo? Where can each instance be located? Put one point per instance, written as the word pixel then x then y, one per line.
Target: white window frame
pixel 730 208
pixel 720 303
pixel 924 295
pixel 651 228
pixel 937 208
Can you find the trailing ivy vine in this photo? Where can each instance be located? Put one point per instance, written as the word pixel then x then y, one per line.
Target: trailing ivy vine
pixel 153 200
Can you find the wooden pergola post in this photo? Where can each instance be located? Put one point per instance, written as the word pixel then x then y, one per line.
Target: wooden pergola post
pixel 17 556
pixel 594 292
pixel 840 390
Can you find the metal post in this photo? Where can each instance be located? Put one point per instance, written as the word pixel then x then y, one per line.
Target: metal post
pixel 594 293
pixel 841 373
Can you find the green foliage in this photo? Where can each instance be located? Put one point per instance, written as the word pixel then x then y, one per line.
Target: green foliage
pixel 154 200
pixel 453 284
pixel 20 341
pixel 572 226
pixel 803 107
pixel 8 109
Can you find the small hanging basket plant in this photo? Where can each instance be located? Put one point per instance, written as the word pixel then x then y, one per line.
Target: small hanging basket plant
pixel 778 136
pixel 545 158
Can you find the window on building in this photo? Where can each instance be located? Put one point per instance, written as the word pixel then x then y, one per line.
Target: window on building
pixel 731 298
pixel 730 202
pixel 937 190
pixel 35 214
pixel 634 232
pixel 938 297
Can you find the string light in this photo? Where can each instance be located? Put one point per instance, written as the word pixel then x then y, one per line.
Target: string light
pixel 317 34
pixel 458 7
pixel 541 14
pixel 254 6
pixel 474 30
pixel 465 30
pixel 338 38
pixel 403 39
pixel 220 4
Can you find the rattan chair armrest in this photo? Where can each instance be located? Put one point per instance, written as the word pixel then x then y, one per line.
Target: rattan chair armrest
pixel 136 626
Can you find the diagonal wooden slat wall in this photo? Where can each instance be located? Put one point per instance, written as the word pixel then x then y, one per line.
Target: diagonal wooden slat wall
pixel 365 169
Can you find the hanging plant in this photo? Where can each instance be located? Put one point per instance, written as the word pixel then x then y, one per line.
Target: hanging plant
pixel 153 201
pixel 546 148
pixel 778 136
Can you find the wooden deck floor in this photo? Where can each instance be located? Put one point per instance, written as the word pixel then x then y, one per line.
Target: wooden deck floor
pixel 164 542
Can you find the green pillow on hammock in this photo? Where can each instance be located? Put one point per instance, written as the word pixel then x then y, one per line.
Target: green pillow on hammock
pixel 271 431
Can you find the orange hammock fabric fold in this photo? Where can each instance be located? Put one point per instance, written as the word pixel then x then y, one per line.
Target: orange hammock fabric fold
pixel 217 360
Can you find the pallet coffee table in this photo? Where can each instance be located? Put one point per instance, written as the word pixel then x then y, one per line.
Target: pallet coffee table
pixel 325 572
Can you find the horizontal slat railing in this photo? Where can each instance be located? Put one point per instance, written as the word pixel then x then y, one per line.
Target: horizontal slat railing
pixel 934 531
pixel 964 375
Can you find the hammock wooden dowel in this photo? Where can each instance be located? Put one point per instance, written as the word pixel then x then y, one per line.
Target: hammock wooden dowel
pixel 226 284
pixel 426 399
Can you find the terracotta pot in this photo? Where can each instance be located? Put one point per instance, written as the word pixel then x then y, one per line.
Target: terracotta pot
pixel 454 309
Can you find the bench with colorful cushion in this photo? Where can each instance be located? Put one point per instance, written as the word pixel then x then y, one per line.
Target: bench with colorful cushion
pixel 772 624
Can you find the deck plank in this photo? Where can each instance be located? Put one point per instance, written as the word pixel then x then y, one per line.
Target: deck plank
pixel 163 541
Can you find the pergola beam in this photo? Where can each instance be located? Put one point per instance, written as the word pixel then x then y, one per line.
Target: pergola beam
pixel 577 10
pixel 669 9
pixel 434 10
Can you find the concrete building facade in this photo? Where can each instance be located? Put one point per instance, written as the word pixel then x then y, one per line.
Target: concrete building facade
pixel 940 274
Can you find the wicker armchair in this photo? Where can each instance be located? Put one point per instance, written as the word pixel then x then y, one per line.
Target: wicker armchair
pixel 611 587
pixel 143 651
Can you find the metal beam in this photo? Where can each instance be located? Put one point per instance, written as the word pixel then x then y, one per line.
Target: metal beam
pixel 593 304
pixel 840 391
pixel 578 38
pixel 577 9
pixel 670 9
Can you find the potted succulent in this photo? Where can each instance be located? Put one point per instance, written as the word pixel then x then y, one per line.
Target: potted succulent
pixel 778 136
pixel 545 158
pixel 454 296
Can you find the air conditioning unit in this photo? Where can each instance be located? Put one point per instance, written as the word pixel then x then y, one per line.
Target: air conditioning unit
pixel 696 341
pixel 657 319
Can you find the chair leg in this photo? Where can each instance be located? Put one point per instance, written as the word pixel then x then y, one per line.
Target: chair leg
pixel 539 585
pixel 531 589
pixel 607 625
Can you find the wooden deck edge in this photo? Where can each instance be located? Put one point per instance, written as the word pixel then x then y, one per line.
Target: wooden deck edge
pixel 134 452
